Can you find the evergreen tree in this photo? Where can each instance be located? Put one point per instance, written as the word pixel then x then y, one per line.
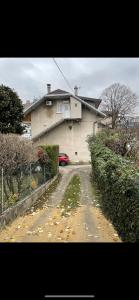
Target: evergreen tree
pixel 11 111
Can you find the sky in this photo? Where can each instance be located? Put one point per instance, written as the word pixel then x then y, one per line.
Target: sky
pixel 29 76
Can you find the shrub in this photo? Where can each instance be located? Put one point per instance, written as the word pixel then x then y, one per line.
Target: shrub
pixel 123 142
pixel 50 155
pixel 118 182
pixel 16 153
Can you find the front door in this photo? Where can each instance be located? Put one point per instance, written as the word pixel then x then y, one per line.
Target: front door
pixel 66 110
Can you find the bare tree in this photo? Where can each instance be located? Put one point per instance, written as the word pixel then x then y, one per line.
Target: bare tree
pixel 15 153
pixel 118 100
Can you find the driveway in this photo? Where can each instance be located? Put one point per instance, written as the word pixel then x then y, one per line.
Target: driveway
pixel 85 224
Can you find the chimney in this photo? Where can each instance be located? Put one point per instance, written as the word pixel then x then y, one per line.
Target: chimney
pixel 48 88
pixel 76 90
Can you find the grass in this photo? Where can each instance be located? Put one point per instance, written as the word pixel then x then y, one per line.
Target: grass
pixel 71 196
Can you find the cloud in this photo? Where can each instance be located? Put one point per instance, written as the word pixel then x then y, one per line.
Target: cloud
pixel 29 76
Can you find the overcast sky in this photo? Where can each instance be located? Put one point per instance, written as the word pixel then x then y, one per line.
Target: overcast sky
pixel 29 76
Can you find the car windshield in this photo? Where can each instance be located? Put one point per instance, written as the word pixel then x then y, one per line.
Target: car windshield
pixel 62 154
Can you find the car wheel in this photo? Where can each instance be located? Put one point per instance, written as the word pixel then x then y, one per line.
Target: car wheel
pixel 62 163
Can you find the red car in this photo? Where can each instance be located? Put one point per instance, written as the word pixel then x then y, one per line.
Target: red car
pixel 63 159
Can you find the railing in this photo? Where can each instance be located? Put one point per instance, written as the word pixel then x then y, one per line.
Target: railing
pixel 20 183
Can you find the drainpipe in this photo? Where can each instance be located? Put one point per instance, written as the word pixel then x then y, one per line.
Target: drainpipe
pixel 94 133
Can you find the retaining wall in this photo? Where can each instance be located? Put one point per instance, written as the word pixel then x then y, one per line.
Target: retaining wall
pixel 21 207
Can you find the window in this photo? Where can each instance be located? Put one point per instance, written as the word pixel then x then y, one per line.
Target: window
pixel 76 153
pixel 59 107
pixel 75 104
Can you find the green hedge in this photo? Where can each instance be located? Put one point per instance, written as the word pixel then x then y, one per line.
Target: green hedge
pixel 118 182
pixel 52 152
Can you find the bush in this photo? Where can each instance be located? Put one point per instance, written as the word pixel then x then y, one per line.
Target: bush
pixel 123 142
pixel 118 182
pixel 16 153
pixel 51 156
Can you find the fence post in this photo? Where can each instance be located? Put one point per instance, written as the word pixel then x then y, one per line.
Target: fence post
pixel 44 174
pixel 2 198
pixel 57 166
pixel 30 176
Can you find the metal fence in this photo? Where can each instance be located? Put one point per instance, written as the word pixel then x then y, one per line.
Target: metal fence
pixel 15 186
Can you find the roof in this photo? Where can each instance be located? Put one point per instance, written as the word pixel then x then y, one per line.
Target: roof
pixel 58 92
pixel 94 100
pixel 63 95
pixel 48 129
pixel 27 104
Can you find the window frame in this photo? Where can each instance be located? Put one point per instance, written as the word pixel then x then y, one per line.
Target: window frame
pixel 59 104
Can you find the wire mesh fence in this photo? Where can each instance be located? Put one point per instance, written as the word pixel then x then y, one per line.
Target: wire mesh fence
pixel 20 183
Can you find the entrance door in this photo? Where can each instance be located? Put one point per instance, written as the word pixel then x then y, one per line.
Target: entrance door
pixel 66 110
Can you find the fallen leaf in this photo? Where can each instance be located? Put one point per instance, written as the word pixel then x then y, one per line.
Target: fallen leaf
pixel 51 224
pixel 69 214
pixel 49 234
pixel 33 214
pixel 29 232
pixel 56 223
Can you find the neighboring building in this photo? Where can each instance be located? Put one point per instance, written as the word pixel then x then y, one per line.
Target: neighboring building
pixel 27 104
pixel 27 131
pixel 64 119
pixel 129 122
pixel 27 121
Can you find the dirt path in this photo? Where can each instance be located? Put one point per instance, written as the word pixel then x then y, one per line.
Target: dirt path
pixel 85 224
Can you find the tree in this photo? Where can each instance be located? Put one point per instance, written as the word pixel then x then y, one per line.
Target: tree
pixel 16 153
pixel 118 100
pixel 11 111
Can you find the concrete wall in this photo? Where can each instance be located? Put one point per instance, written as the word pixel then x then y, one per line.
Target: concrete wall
pixel 76 108
pixel 43 117
pixel 21 207
pixel 74 139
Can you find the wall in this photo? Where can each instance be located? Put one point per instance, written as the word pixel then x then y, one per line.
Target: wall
pixel 43 117
pixel 21 207
pixel 76 108
pixel 72 140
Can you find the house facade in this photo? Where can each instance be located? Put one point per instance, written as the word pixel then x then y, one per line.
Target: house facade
pixel 64 119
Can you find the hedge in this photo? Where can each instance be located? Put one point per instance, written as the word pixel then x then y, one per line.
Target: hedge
pixel 118 182
pixel 52 152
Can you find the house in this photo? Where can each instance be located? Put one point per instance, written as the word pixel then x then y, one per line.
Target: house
pixel 27 121
pixel 65 119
